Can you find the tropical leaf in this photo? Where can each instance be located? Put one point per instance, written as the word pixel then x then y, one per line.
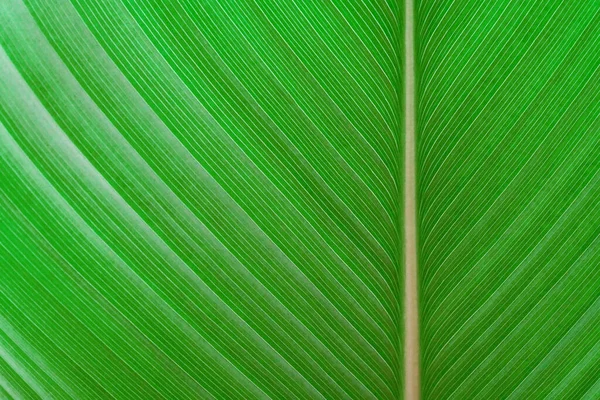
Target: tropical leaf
pixel 508 184
pixel 204 199
pixel 200 199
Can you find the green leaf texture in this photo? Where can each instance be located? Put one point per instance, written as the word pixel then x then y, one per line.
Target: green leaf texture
pixel 509 195
pixel 201 199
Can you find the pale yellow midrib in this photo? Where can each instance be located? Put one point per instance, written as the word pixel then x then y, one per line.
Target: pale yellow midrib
pixel 411 337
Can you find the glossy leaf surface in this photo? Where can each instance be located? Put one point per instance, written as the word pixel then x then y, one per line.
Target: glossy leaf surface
pixel 200 199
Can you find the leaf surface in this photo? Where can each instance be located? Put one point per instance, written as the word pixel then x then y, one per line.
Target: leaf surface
pixel 200 199
pixel 508 185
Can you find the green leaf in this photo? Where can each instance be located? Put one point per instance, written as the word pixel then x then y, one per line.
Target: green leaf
pixel 204 199
pixel 508 183
pixel 200 199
